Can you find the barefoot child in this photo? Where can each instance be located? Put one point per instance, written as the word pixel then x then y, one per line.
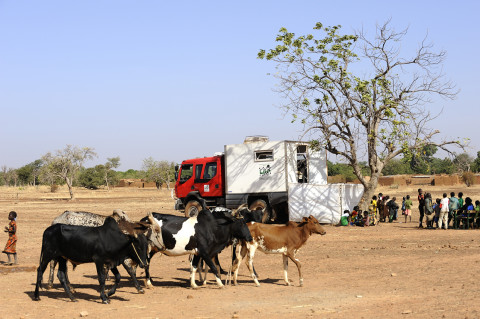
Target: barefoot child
pixel 10 247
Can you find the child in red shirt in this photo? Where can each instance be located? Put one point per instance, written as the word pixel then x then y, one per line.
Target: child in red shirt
pixel 11 246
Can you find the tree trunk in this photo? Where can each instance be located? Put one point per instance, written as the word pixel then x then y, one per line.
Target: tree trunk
pixel 70 189
pixel 369 191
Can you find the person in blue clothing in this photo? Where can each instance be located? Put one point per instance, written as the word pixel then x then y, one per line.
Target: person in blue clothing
pixel 452 207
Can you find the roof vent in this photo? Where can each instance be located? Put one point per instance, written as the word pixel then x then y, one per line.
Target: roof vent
pixel 255 138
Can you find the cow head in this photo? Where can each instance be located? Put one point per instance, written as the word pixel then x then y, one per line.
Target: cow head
pixel 313 225
pixel 249 215
pixel 119 214
pixel 154 233
pixel 139 246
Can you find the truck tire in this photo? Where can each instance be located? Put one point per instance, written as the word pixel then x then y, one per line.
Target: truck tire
pixel 260 204
pixel 192 208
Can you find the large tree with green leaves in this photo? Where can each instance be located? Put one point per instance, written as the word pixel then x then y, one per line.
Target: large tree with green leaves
pixel 65 164
pixel 160 172
pixel 108 175
pixel 360 98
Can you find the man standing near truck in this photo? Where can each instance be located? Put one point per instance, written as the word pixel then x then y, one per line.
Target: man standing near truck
pixel 421 206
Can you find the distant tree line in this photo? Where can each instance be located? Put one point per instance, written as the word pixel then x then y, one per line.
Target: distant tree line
pixel 66 167
pixel 425 164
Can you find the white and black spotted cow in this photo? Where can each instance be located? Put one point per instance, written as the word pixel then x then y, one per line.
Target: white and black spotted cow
pixel 203 236
pixel 95 220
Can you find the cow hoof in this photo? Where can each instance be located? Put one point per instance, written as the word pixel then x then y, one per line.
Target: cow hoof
pixel 141 291
pixel 48 287
pixel 74 300
pixel 106 302
pixel 36 299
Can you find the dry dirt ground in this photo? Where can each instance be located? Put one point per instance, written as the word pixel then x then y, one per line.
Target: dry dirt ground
pixel 390 271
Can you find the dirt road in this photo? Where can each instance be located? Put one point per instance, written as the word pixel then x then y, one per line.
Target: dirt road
pixel 390 271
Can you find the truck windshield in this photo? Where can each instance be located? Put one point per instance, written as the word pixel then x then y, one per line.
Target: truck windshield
pixel 186 173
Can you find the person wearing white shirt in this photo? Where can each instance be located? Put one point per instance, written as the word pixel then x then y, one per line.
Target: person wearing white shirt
pixel 443 218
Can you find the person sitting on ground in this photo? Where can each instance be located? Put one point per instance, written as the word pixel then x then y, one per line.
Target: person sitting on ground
pixel 428 210
pixel 345 219
pixel 366 219
pixel 362 219
pixel 355 215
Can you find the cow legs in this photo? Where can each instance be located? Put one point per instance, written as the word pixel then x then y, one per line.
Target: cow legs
pixel 203 269
pixel 148 278
pixel 62 276
pixel 285 269
pixel 117 280
pixel 210 264
pixel 236 262
pixel 251 253
pixel 131 268
pixel 299 266
pixel 53 264
pixel 101 280
pixel 40 270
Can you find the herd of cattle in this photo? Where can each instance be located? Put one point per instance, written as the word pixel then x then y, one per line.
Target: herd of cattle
pixel 82 237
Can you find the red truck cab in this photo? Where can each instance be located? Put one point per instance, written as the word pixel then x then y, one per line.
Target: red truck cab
pixel 197 179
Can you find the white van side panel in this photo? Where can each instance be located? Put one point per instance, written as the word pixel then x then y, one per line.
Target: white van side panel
pixel 245 174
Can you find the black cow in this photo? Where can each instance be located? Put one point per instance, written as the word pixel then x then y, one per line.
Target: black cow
pixel 106 245
pixel 203 236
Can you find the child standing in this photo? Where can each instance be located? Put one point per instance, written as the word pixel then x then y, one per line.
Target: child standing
pixel 408 208
pixel 11 246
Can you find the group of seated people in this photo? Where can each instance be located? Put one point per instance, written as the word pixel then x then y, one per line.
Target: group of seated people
pixel 358 218
pixel 466 216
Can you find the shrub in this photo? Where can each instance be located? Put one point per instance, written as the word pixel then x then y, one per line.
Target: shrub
pixel 468 178
pixel 54 188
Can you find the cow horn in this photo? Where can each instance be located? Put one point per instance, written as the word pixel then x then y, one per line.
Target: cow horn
pixel 153 222
pixel 235 211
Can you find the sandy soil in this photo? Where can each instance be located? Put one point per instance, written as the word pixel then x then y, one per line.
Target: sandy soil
pixel 390 271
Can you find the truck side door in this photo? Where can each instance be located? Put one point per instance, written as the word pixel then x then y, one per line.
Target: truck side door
pixel 209 182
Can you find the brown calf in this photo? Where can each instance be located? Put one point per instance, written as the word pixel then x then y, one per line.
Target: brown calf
pixel 277 239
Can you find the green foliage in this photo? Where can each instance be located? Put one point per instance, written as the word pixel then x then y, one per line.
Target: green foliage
pixel 476 164
pixel 160 172
pixel 439 166
pixel 29 174
pixel 91 178
pixel 463 162
pixel 131 173
pixel 345 170
pixel 397 167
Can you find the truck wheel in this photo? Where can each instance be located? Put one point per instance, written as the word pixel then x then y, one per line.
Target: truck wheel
pixel 192 208
pixel 260 204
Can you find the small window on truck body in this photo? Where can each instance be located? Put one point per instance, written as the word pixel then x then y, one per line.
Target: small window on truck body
pixel 264 156
pixel 186 173
pixel 302 164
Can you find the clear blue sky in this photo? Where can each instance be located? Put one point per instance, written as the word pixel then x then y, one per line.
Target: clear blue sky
pixel 179 79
